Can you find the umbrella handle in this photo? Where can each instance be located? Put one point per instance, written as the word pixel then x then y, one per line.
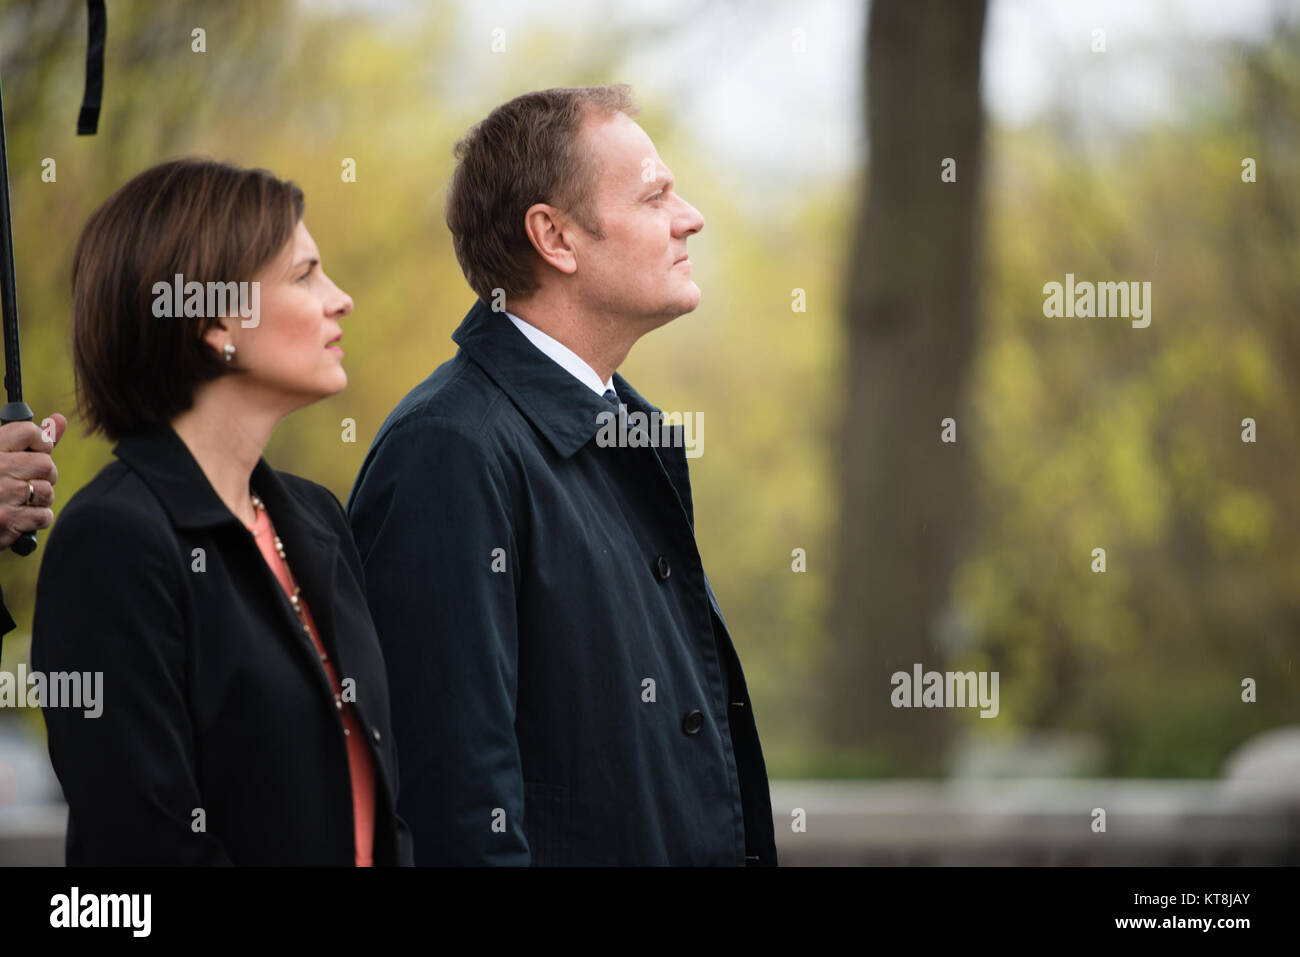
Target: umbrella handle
pixel 19 412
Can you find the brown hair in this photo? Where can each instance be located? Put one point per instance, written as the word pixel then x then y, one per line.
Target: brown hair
pixel 526 151
pixel 207 221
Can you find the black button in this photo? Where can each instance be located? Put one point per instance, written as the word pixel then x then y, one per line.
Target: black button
pixel 662 568
pixel 693 721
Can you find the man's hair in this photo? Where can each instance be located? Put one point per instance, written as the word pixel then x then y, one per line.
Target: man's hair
pixel 526 151
pixel 207 221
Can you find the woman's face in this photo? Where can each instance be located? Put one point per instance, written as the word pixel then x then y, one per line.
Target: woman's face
pixel 292 346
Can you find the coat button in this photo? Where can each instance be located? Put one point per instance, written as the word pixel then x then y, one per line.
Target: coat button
pixel 375 732
pixel 693 721
pixel 662 568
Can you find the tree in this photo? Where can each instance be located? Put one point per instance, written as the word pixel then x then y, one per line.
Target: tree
pixel 910 319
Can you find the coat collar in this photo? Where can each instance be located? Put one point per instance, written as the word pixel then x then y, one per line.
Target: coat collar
pixel 558 405
pixel 164 462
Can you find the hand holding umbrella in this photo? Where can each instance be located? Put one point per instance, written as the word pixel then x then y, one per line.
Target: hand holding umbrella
pixel 27 476
pixel 24 451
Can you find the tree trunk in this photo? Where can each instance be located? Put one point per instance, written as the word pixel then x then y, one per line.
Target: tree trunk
pixel 910 321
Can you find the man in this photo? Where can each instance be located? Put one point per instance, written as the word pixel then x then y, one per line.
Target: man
pixel 27 477
pixel 564 688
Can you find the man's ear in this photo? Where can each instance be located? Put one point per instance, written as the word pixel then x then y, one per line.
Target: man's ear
pixel 549 231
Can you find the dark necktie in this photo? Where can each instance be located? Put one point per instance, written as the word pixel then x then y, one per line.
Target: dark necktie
pixel 611 397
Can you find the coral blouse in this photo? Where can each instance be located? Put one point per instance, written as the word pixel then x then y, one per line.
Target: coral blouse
pixel 360 763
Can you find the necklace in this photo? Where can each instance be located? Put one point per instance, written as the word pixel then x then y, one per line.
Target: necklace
pixel 297 605
pixel 294 599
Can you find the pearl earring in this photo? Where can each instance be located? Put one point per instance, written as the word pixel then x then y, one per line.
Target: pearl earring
pixel 229 351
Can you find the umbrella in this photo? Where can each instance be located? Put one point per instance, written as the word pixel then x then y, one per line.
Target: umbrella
pixel 15 409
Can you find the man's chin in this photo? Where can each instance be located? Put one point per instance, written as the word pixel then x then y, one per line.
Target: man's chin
pixel 680 305
pixel 690 301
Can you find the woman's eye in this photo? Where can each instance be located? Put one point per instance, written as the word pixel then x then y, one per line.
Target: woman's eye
pixel 304 276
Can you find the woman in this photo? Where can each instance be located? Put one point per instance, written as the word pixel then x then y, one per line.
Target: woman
pixel 244 715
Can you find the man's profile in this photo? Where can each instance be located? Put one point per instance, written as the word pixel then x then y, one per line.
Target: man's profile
pixel 564 687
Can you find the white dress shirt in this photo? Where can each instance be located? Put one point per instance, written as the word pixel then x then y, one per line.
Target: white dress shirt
pixel 565 357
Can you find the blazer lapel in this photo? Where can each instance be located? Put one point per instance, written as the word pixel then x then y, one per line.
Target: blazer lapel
pixel 311 550
pixel 165 463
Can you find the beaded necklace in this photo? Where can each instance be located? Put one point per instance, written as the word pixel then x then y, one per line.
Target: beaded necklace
pixel 294 598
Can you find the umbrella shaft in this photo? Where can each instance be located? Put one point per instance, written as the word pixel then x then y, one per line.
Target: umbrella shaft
pixel 8 286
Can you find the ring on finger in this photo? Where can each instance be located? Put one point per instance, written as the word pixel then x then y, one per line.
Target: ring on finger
pixel 31 493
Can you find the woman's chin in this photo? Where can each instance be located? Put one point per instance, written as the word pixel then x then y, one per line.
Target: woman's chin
pixel 328 385
pixel 336 378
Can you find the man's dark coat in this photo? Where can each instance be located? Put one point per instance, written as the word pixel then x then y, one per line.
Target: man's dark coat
pixel 565 690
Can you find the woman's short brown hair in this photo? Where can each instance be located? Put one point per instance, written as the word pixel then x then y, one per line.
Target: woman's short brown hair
pixel 205 220
pixel 526 151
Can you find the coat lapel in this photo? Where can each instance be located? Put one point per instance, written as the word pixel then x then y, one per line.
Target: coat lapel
pixel 564 410
pixel 671 456
pixel 560 407
pixel 164 462
pixel 312 553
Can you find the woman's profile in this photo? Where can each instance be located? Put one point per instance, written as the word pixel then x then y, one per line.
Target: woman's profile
pixel 245 714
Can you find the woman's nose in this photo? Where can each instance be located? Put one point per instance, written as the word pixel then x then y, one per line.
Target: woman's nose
pixel 340 302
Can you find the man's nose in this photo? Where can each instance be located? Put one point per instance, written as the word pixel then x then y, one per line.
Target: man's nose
pixel 689 221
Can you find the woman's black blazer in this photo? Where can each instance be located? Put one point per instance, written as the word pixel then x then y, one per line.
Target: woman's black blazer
pixel 219 739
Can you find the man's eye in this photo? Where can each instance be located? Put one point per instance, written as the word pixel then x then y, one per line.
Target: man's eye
pixel 656 197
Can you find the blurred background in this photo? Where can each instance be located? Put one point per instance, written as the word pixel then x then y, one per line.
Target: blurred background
pixel 887 187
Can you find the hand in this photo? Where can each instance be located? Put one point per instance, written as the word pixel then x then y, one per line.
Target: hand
pixel 25 508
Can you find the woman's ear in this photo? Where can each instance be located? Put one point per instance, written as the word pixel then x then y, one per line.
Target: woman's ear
pixel 217 336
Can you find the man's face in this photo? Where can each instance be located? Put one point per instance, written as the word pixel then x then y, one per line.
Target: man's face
pixel 639 271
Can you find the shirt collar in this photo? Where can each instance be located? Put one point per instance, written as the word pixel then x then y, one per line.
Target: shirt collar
pixel 563 409
pixel 569 360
